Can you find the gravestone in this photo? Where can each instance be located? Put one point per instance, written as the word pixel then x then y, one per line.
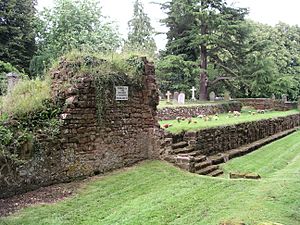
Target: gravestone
pixel 193 93
pixel 226 96
pixel 273 97
pixel 212 96
pixel 181 98
pixel 168 96
pixel 175 97
pixel 12 80
pixel 284 98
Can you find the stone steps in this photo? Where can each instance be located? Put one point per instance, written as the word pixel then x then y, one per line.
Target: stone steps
pixel 180 145
pixel 186 157
pixel 202 165
pixel 184 150
pixel 215 173
pixel 207 170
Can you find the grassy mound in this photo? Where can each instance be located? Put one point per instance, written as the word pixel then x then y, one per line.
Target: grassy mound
pixel 158 193
pixel 222 120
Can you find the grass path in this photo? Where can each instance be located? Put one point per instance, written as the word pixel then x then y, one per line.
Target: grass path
pixel 157 193
pixel 223 120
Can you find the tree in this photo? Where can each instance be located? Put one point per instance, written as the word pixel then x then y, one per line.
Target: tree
pixel 17 34
pixel 140 36
pixel 72 25
pixel 208 31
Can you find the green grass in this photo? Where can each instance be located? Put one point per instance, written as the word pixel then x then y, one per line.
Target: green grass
pixel 158 193
pixel 163 104
pixel 223 120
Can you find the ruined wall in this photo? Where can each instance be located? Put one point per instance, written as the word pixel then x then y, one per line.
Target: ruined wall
pixel 268 103
pixel 220 139
pixel 86 144
pixel 170 113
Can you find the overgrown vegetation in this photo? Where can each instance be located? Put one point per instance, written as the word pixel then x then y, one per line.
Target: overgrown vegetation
pixel 26 112
pixel 158 193
pixel 221 120
pixel 27 97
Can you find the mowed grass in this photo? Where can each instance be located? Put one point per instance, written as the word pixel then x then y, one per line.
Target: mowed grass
pixel 222 120
pixel 155 192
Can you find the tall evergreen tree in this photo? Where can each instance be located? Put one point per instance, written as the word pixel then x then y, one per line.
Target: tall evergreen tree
pixel 140 36
pixel 17 35
pixel 207 30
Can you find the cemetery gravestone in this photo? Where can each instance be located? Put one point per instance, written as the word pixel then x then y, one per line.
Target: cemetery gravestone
pixel 193 93
pixel 227 96
pixel 175 97
pixel 284 98
pixel 168 96
pixel 12 80
pixel 273 97
pixel 212 96
pixel 181 98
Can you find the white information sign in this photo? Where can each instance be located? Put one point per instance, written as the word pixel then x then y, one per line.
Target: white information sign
pixel 122 93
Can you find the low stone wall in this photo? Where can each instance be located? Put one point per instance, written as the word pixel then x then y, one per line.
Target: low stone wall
pixel 267 103
pixel 85 146
pixel 170 113
pixel 220 139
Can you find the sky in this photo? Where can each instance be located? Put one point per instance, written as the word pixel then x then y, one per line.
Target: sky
pixel 264 11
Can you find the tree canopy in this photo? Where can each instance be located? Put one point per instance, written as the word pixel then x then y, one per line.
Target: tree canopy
pixel 140 35
pixel 17 33
pixel 73 25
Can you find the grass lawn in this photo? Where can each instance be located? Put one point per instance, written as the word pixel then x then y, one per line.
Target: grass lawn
pixel 163 104
pixel 223 120
pixel 158 193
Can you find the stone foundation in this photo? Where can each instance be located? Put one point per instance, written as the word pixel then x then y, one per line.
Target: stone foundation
pixel 268 103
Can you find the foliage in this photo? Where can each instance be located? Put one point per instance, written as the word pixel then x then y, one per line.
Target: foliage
pixel 159 193
pixel 27 97
pixel 17 34
pixel 177 74
pixel 72 25
pixel 140 36
pixel 223 119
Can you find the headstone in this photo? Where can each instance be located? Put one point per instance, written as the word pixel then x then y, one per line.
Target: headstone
pixel 12 80
pixel 168 96
pixel 227 96
pixel 181 98
pixel 160 94
pixel 175 97
pixel 212 96
pixel 273 97
pixel 193 93
pixel 284 98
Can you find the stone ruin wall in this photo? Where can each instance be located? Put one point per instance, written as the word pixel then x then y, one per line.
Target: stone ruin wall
pixel 216 140
pixel 170 113
pixel 268 103
pixel 84 147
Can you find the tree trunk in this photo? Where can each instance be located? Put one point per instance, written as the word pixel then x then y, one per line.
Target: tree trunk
pixel 203 66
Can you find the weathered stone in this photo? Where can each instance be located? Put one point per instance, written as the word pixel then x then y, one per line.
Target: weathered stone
pixel 125 135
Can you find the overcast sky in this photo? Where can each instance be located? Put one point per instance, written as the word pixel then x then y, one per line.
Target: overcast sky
pixel 264 11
